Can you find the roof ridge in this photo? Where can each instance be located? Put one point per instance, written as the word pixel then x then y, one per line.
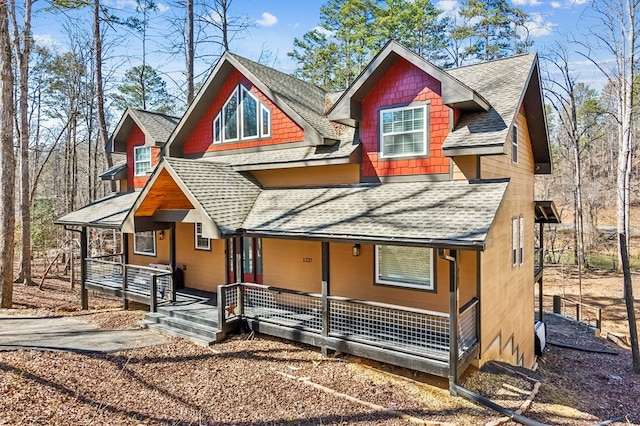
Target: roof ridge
pixel 154 113
pixel 491 61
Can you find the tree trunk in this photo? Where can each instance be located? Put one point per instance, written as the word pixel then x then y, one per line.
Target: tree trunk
pixel 628 299
pixel 7 162
pixel 99 83
pixel 190 53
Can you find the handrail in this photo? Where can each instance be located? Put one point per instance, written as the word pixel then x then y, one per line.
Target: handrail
pixel 280 289
pixel 389 306
pixel 470 304
pixel 102 256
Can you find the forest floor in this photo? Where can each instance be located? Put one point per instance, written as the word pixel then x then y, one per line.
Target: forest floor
pixel 254 380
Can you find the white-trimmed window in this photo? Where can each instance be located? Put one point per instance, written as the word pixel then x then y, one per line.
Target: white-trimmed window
pixel 514 237
pixel 403 131
pixel 405 266
pixel 145 243
pixel 141 160
pixel 243 117
pixel 514 144
pixel 202 243
pixel 521 240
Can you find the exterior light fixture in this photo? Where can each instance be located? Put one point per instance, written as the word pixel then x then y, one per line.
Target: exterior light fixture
pixel 161 234
pixel 355 250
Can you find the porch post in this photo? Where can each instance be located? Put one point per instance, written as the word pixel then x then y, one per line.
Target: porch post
pixel 453 320
pixel 325 293
pixel 540 301
pixel 84 296
pixel 172 258
pixel 125 262
pixel 239 253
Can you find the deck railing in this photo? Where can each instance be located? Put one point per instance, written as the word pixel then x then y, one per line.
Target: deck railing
pixel 154 285
pixel 570 308
pixel 399 328
pixel 538 264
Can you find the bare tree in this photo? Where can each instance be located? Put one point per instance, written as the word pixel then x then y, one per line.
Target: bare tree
pixel 7 162
pixel 22 48
pixel 618 35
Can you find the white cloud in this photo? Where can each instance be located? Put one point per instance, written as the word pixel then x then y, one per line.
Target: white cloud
pixel 538 26
pixel 46 40
pixel 448 5
pixel 323 30
pixel 580 2
pixel 267 20
pixel 527 2
pixel 162 8
pixel 556 4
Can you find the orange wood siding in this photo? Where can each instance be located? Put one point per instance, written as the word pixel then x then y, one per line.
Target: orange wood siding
pixel 164 194
pixel 137 138
pixel 283 128
pixel 205 268
pixel 465 167
pixel 309 176
pixel 507 291
pixel 403 84
pixel 283 264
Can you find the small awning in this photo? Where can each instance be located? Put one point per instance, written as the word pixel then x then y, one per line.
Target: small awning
pixel 546 212
pixel 117 172
pixel 108 212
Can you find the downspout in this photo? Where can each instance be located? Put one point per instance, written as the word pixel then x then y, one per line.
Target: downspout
pixel 453 317
pixel 540 297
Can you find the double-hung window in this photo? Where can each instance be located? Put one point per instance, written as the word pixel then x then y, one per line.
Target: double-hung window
pixel 514 144
pixel 243 117
pixel 202 243
pixel 521 240
pixel 141 160
pixel 145 243
pixel 405 266
pixel 403 131
pixel 514 240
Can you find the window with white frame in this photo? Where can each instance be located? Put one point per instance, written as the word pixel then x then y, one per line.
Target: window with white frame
pixel 514 236
pixel 521 240
pixel 405 266
pixel 403 131
pixel 243 117
pixel 141 160
pixel 514 144
pixel 202 243
pixel 145 243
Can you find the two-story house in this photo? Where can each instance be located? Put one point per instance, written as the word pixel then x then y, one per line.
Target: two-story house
pixel 394 220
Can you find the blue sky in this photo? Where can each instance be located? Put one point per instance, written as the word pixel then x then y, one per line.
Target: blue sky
pixel 278 22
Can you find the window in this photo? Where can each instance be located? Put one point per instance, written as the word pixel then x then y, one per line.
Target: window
pixel 145 243
pixel 405 266
pixel 514 144
pixel 514 237
pixel 202 243
pixel 243 117
pixel 141 160
pixel 521 240
pixel 403 131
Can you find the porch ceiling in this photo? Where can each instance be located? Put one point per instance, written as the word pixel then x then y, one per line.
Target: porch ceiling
pixel 546 212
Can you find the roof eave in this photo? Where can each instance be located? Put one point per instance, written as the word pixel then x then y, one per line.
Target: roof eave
pixel 495 149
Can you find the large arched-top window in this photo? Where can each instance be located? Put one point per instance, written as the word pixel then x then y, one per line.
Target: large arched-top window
pixel 243 117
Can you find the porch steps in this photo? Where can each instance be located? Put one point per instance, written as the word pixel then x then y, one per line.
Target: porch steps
pixel 198 329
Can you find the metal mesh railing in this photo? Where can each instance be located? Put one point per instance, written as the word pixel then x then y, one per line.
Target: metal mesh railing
pixel 104 272
pixel 413 331
pixel 468 334
pixel 231 300
pixel 139 280
pixel 283 307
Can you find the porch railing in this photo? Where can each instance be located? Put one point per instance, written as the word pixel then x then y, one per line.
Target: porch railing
pixel 399 328
pixel 155 285
pixel 538 254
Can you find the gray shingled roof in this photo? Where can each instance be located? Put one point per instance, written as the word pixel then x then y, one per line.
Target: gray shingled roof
pixel 108 212
pixel 502 82
pixel 225 195
pixel 341 150
pixel 304 98
pixel 453 212
pixel 159 126
pixel 118 171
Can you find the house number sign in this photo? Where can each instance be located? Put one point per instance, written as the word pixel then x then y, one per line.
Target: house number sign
pixel 307 259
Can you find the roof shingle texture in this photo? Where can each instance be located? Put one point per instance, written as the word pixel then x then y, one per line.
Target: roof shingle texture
pixel 502 83
pixel 159 126
pixel 225 195
pixel 304 98
pixel 414 211
pixel 107 212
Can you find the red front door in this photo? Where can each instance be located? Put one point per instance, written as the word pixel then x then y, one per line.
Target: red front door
pixel 251 260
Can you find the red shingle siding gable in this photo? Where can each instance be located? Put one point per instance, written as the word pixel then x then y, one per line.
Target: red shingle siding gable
pixel 283 128
pixel 136 138
pixel 401 85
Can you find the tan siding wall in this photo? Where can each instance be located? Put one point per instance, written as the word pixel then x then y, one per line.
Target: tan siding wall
pixel 507 292
pixel 309 176
pixel 353 277
pixel 205 268
pixel 283 264
pixel 465 167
